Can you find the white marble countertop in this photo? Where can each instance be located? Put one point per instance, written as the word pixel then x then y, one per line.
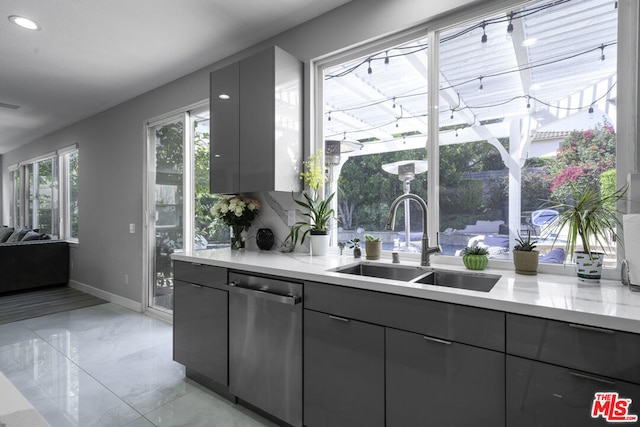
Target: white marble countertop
pixel 561 297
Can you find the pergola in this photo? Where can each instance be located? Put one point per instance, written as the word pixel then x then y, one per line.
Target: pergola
pixel 526 74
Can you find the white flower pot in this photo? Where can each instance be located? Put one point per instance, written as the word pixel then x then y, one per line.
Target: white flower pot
pixel 319 244
pixel 587 269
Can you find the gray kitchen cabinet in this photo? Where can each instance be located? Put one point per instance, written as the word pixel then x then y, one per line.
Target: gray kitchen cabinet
pixel 225 129
pixel 541 394
pixel 554 369
pixel 443 363
pixel 600 351
pixel 436 382
pixel 256 124
pixel 343 372
pixel 453 322
pixel 200 322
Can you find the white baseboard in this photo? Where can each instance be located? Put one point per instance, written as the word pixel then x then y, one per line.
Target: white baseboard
pixel 108 296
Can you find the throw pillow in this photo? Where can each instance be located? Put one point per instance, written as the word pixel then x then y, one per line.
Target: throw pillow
pixel 33 235
pixel 18 234
pixel 5 233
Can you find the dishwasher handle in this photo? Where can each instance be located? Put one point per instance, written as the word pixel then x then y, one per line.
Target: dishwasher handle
pixel 284 299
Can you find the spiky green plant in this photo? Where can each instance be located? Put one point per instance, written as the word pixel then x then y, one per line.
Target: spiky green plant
pixel 590 216
pixel 525 245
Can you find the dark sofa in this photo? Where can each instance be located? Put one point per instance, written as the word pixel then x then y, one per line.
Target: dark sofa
pixel 33 264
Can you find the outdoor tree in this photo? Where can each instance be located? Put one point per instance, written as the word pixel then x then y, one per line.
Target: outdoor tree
pixel 365 190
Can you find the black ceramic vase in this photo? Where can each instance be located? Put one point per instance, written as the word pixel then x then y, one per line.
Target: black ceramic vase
pixel 264 238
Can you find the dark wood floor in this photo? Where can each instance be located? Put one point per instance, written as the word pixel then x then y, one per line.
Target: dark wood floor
pixel 40 302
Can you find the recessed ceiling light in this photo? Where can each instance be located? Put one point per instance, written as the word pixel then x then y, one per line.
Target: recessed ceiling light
pixel 23 22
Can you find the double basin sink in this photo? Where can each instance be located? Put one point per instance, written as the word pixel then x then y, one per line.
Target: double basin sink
pixel 423 275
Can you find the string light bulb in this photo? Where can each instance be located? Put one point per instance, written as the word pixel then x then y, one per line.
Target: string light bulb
pixel 452 114
pixel 456 131
pixel 329 116
pixel 484 34
pixel 591 111
pixel 602 58
pixel 528 101
pixel 510 26
pixel 394 102
pixel 481 87
pixel 369 70
pixel 386 58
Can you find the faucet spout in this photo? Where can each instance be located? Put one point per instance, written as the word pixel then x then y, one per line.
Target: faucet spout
pixel 426 251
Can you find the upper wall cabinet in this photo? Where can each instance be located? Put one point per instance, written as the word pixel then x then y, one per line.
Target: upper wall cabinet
pixel 256 124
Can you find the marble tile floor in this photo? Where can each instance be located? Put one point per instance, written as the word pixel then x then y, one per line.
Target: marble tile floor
pixel 108 366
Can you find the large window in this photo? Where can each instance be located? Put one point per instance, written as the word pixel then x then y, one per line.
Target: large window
pixel 45 194
pixel 526 103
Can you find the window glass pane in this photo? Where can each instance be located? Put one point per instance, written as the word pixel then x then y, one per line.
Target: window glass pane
pixel 16 197
pixel 45 203
pixel 168 194
pixel 72 189
pixel 522 113
pixel 207 232
pixel 375 124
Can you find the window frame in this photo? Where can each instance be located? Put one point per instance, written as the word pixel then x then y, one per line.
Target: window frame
pixel 26 214
pixel 627 132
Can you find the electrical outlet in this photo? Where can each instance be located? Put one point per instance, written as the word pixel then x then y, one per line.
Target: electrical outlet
pixel 291 217
pixel 132 228
pixel 126 279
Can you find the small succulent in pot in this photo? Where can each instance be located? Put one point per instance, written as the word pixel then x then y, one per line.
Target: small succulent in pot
pixel 525 258
pixel 372 246
pixel 475 257
pixel 355 245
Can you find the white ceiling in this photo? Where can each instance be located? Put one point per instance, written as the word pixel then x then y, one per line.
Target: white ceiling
pixel 92 55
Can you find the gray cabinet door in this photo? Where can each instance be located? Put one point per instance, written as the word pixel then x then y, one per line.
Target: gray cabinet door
pixel 256 132
pixel 605 352
pixel 539 394
pixel 343 372
pixel 442 383
pixel 225 130
pixel 200 330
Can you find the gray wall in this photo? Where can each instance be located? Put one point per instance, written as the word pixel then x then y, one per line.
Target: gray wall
pixel 112 143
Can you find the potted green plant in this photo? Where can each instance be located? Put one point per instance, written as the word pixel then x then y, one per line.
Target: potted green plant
pixel 372 246
pixel 591 219
pixel 475 257
pixel 525 257
pixel 355 245
pixel 316 209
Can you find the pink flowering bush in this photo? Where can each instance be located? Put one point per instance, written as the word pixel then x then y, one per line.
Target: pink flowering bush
pixel 582 158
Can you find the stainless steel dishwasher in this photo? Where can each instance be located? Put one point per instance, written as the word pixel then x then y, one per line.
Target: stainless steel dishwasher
pixel 265 344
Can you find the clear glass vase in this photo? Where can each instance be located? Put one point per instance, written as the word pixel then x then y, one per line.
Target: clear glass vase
pixel 237 239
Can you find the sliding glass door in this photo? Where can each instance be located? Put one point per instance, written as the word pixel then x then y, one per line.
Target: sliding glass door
pixel 177 203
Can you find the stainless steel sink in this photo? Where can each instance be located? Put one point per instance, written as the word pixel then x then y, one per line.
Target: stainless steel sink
pixel 383 271
pixel 454 279
pixel 427 276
